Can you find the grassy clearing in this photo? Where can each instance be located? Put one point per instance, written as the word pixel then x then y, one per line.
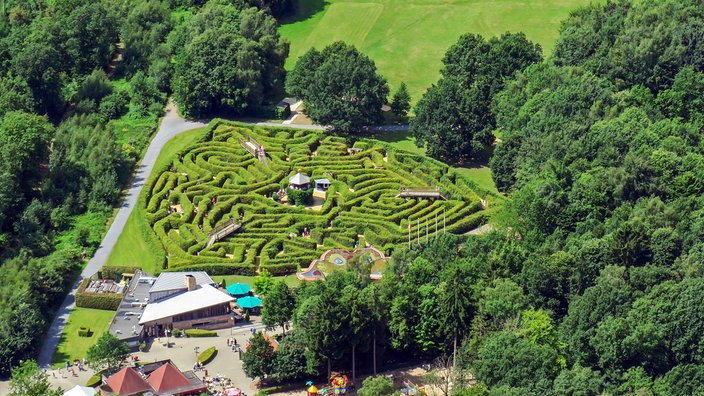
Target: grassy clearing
pixel 131 248
pixel 71 345
pixel 480 174
pixel 408 38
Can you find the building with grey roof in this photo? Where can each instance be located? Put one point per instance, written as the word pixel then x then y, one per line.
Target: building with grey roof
pixel 170 283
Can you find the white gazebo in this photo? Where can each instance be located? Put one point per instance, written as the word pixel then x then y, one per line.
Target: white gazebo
pixel 299 181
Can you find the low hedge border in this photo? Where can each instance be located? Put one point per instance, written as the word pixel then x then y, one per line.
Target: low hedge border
pixel 200 333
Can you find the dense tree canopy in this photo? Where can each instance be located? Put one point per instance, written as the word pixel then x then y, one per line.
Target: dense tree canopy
pixel 232 62
pixel 453 118
pixel 340 87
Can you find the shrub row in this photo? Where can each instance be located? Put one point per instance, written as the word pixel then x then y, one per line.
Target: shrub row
pixel 200 333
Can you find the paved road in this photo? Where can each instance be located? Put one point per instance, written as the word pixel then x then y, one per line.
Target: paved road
pixel 171 126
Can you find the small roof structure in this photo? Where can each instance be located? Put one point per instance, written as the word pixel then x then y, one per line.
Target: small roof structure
pixel 167 378
pixel 174 280
pixel 203 297
pixel 299 179
pixel 127 382
pixel 80 391
pixel 249 302
pixel 238 289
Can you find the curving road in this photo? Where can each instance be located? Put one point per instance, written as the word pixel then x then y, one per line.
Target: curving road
pixel 171 125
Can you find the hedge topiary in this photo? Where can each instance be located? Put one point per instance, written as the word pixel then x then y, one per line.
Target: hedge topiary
pixel 95 380
pixel 207 355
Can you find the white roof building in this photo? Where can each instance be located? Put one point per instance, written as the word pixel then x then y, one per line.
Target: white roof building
pixel 186 304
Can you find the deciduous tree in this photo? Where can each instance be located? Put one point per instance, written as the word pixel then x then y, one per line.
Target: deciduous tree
pixel 107 353
pixel 340 87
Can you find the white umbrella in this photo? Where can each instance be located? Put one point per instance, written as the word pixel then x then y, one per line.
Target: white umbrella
pixel 80 391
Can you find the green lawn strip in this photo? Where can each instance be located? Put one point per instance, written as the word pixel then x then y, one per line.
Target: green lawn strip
pixel 71 346
pixel 408 38
pixel 131 247
pixel 402 140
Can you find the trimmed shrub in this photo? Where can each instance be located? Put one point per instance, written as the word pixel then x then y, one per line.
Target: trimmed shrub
pixel 95 380
pixel 200 333
pixel 85 332
pixel 207 355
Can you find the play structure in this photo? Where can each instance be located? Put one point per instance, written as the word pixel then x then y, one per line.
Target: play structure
pixel 339 385
pixel 338 259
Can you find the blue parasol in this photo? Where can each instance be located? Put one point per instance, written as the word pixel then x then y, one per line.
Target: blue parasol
pixel 249 302
pixel 238 289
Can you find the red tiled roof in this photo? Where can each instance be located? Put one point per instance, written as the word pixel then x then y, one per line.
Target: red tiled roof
pixel 127 382
pixel 167 377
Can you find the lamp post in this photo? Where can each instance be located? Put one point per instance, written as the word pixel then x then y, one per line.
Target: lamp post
pixel 167 331
pixel 195 350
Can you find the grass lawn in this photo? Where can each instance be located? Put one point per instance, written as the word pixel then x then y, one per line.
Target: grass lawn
pixel 71 346
pixel 481 174
pixel 408 38
pixel 131 248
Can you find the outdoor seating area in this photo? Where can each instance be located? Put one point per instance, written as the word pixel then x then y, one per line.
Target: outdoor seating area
pixel 106 286
pixel 221 386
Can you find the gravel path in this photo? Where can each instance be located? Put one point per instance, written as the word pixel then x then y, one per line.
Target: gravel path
pixel 171 125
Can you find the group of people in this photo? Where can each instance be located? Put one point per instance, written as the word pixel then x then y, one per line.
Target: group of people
pixel 232 343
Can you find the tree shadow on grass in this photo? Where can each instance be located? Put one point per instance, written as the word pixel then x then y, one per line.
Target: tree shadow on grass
pixel 305 9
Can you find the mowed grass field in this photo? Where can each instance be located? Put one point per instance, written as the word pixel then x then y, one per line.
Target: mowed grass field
pixel 408 38
pixel 71 346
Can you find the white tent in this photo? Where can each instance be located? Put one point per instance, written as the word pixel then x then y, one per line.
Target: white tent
pixel 81 391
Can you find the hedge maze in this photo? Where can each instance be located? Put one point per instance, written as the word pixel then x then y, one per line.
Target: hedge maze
pixel 217 180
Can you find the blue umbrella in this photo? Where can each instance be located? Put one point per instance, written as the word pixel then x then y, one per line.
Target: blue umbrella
pixel 249 302
pixel 238 289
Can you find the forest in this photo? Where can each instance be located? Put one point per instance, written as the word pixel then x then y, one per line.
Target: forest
pixel 587 284
pixel 591 281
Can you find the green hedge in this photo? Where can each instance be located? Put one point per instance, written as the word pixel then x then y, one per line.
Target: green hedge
pixel 207 355
pixel 106 302
pixel 200 333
